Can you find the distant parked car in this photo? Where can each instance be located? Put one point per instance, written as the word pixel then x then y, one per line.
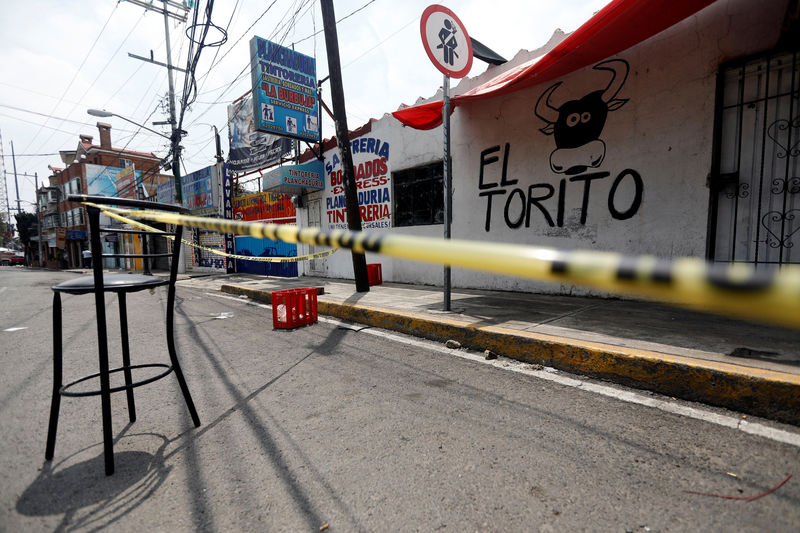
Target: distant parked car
pixel 11 257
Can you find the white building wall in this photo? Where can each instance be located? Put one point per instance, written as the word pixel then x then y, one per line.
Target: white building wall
pixel 662 133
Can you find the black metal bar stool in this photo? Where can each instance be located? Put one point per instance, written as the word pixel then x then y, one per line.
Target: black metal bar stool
pixel 121 284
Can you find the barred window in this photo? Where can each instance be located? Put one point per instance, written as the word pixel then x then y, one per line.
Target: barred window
pixel 419 196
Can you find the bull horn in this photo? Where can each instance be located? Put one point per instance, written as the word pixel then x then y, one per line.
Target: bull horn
pixel 543 108
pixel 620 70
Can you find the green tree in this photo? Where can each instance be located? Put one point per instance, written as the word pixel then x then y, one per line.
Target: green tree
pixel 5 235
pixel 26 227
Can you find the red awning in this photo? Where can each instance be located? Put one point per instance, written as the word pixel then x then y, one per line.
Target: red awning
pixel 617 27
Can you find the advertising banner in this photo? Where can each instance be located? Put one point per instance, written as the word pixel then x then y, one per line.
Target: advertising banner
pixel 126 186
pixel 266 206
pixel 373 182
pixel 284 91
pixel 198 189
pixel 165 192
pixel 227 213
pixel 101 180
pixel 295 178
pixel 251 149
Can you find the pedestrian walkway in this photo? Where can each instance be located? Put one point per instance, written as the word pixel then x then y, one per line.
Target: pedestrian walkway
pixel 743 366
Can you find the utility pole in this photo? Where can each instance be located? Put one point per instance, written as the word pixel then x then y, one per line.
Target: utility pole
pixel 343 140
pixel 4 185
pixel 175 137
pixel 16 183
pixel 38 220
pixel 448 181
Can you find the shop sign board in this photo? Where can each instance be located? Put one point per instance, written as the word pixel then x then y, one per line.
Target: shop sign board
pixel 251 149
pixel 284 91
pixel 198 189
pixel 294 179
pixel 165 192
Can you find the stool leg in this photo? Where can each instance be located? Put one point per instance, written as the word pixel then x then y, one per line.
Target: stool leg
pixel 55 403
pixel 105 386
pixel 176 366
pixel 126 357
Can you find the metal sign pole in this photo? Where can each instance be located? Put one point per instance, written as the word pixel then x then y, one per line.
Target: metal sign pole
pixel 448 178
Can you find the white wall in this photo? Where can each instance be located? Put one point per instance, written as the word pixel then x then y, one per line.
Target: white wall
pixel 662 133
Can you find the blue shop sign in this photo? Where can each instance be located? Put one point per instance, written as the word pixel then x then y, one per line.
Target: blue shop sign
pixel 294 179
pixel 76 235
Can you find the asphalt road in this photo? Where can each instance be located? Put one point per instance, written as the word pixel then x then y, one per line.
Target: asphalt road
pixel 349 429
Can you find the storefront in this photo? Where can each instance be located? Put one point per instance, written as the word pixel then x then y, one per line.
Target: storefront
pixel 681 144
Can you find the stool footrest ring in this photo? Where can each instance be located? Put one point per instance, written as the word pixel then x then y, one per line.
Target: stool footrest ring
pixel 65 392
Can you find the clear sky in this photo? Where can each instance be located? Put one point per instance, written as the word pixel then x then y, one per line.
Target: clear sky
pixel 59 58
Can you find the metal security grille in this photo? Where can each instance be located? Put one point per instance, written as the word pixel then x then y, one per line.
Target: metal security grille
pixel 755 183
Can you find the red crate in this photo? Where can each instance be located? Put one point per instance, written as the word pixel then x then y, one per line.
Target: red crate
pixel 374 274
pixel 292 308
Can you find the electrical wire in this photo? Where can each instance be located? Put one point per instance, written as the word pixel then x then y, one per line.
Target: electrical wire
pixel 213 64
pixel 248 67
pixel 190 82
pixel 288 25
pixel 337 22
pixel 219 48
pixel 75 76
pixel 62 119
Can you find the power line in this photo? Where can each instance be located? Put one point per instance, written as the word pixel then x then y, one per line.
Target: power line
pixel 62 119
pixel 36 155
pixel 37 124
pixel 288 25
pixel 244 71
pixel 102 70
pixel 237 41
pixel 337 22
pixel 75 76
pixel 33 91
pixel 213 60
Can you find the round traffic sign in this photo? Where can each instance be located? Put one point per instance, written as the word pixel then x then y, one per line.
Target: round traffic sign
pixel 446 41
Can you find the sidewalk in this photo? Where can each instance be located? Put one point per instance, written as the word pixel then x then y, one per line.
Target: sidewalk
pixel 739 365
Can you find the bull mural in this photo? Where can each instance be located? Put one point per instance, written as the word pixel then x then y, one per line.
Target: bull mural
pixel 577 124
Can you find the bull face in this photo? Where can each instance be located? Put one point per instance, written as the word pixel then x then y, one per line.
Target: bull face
pixel 576 125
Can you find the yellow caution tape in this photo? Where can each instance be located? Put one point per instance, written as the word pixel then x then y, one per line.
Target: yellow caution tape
pixel 735 289
pixel 293 259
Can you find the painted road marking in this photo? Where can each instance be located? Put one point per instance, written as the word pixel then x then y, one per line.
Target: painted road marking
pixel 555 376
pixel 15 329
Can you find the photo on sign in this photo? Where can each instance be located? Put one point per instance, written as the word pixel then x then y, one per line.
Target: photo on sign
pixel 312 123
pixel 251 149
pixel 267 113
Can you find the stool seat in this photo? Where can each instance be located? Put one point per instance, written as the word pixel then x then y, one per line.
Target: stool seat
pixel 111 283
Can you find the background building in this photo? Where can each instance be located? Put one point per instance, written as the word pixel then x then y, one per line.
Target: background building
pixel 92 169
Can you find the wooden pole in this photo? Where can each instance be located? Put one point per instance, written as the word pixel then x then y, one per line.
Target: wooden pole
pixel 343 139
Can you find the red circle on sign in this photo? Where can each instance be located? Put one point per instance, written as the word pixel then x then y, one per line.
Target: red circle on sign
pixel 436 60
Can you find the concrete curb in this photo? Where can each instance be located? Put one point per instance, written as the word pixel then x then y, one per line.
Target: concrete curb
pixel 767 393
